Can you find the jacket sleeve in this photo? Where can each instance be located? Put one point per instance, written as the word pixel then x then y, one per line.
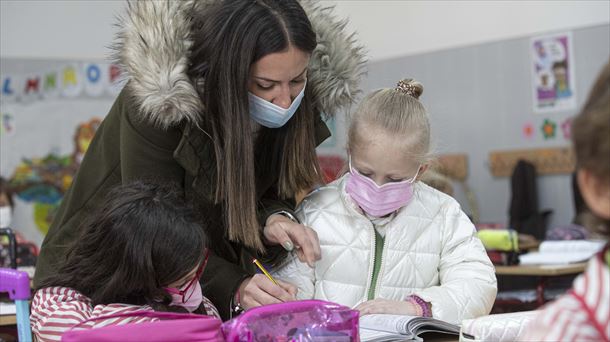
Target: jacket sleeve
pixel 54 305
pixel 267 206
pixel 270 203
pixel 56 310
pixel 467 277
pixel 296 272
pixel 220 282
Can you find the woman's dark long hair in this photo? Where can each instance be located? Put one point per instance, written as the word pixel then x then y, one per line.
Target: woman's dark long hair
pixel 227 39
pixel 142 239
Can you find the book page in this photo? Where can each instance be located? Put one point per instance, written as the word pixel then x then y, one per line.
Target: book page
pixel 538 258
pixel 570 246
pixel 562 252
pixel 420 325
pixel 8 308
pixel 384 327
pixel 390 323
pixel 367 335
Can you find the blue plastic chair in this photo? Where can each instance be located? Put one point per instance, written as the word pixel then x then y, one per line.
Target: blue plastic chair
pixel 17 284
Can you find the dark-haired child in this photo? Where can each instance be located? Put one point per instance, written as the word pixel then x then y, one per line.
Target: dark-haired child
pixel 142 250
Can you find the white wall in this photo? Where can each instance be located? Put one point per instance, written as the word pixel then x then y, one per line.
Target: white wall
pixel 83 29
pixel 398 28
pixel 57 29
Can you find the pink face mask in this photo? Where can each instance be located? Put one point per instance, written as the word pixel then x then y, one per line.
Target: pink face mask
pixel 189 296
pixel 378 200
pixel 191 299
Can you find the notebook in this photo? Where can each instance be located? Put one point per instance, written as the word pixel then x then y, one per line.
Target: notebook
pixel 382 327
pixel 562 252
pixel 8 308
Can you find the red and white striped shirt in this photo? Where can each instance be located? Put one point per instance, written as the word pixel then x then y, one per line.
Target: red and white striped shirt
pixel 56 310
pixel 583 314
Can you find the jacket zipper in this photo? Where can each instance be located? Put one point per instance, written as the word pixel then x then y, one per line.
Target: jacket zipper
pixel 371 266
pixel 377 263
pixel 381 264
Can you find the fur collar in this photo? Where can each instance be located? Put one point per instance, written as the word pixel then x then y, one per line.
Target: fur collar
pixel 153 41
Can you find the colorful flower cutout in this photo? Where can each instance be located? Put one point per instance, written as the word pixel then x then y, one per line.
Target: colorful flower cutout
pixel 528 130
pixel 548 129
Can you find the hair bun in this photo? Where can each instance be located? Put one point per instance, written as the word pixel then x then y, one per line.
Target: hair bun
pixel 410 87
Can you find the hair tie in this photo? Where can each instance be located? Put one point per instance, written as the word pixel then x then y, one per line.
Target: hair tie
pixel 405 87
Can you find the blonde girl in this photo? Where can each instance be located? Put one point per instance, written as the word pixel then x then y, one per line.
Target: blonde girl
pixel 389 243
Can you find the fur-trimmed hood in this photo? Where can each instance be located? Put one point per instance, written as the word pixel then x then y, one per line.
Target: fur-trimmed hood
pixel 153 42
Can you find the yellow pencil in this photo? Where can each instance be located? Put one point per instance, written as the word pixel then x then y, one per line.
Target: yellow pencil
pixel 260 267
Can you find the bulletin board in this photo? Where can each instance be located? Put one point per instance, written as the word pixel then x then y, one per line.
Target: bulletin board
pixel 49 112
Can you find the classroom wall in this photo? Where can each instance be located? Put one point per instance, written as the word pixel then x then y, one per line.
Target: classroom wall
pixel 57 29
pixel 452 47
pixel 84 30
pixel 400 28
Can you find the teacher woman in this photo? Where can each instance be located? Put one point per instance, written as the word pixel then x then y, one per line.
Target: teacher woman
pixel 225 98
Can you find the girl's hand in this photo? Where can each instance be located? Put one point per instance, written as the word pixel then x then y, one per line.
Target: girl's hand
pixel 384 306
pixel 259 290
pixel 280 230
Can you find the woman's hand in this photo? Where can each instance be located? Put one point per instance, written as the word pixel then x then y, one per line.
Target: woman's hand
pixel 259 290
pixel 384 306
pixel 280 230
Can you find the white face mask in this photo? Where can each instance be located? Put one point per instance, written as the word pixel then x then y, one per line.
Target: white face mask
pixel 6 215
pixel 271 115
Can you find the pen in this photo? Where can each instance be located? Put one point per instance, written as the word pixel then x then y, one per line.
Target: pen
pixel 260 267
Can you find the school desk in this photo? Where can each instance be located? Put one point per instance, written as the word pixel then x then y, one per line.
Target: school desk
pixel 10 319
pixel 543 272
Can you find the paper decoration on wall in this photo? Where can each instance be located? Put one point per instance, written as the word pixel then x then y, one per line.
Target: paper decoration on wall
pixel 7 124
pixel 72 81
pixel 558 160
pixel 44 214
pixel 69 81
pixel 566 128
pixel 44 181
pixel 553 81
pixel 83 137
pixel 528 130
pixel 548 129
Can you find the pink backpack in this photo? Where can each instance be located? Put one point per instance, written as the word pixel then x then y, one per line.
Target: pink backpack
pixel 171 327
pixel 307 320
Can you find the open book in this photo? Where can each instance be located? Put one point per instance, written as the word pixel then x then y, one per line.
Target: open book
pixel 562 252
pixel 382 327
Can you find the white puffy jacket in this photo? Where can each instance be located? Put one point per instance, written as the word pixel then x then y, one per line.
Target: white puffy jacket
pixel 430 250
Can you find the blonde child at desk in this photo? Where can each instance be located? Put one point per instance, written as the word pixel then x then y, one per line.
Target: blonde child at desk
pixel 583 314
pixel 141 251
pixel 390 243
